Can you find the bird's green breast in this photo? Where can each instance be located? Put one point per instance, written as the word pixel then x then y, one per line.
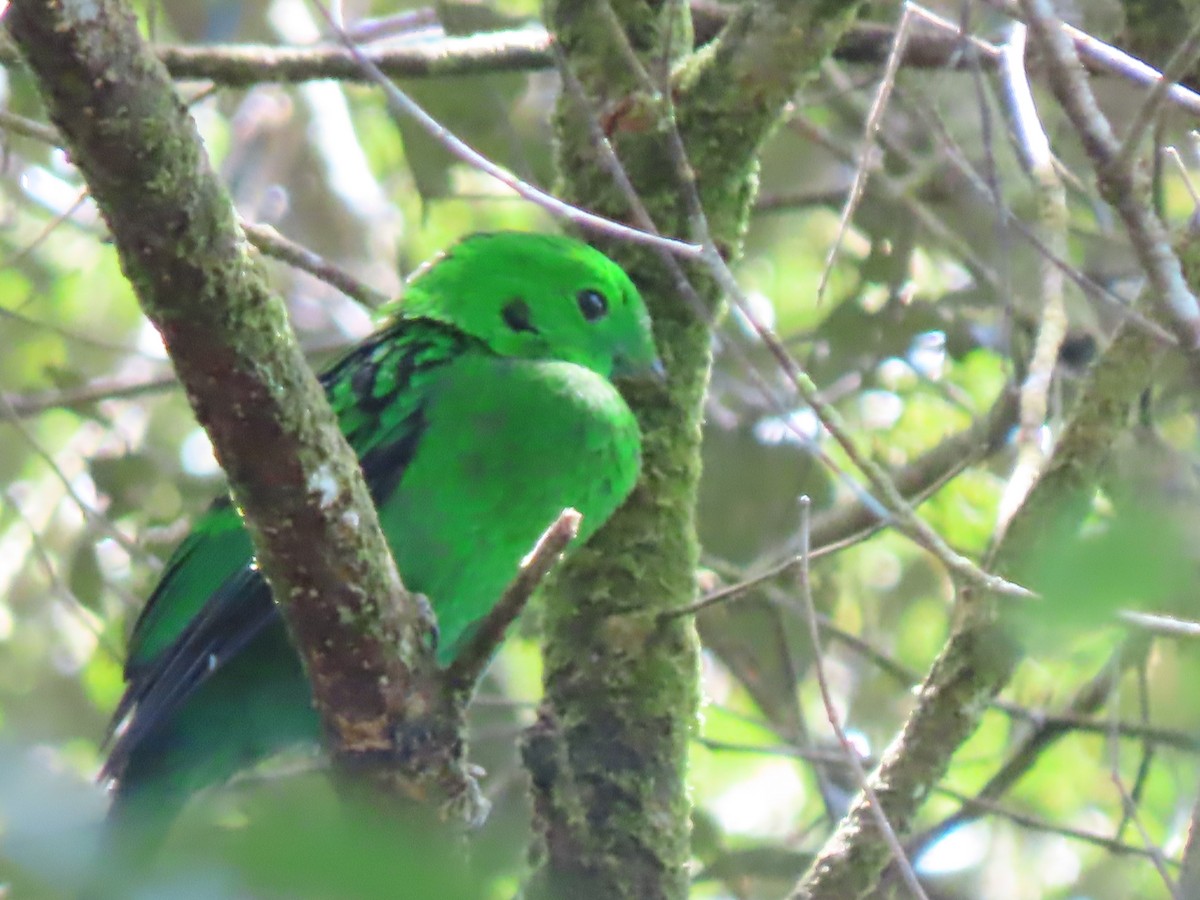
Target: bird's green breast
pixel 506 445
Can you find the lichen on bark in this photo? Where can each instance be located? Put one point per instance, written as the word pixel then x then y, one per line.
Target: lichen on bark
pixel 366 644
pixel 608 754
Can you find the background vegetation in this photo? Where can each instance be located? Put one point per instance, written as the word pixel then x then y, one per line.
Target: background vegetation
pixel 924 311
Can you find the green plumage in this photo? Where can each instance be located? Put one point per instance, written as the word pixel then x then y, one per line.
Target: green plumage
pixel 481 410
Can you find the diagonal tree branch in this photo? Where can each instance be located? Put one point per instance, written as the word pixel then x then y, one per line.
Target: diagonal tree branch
pixel 979 657
pixel 364 640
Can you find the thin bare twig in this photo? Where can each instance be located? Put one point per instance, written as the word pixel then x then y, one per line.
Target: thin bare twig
pixel 462 674
pixel 1045 731
pixel 1147 747
pixel 1172 154
pixel 271 243
pixel 24 406
pixel 1177 66
pixel 401 105
pixel 1122 185
pixel 58 220
pixel 854 521
pixel 9 415
pixel 1162 626
pixel 870 128
pixel 989 51
pixel 975 804
pixel 67 334
pixel 404 22
pixel 1019 817
pixel 1053 219
pixel 1106 57
pixel 103 639
pixel 15 124
pixel 905 518
pixel 897 191
pixel 986 189
pixel 1076 717
pixel 831 714
pixel 1129 810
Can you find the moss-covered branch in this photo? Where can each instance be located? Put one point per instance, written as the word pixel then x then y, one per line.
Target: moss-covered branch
pixel 981 653
pixel 363 639
pixel 730 94
pixel 245 65
pixel 608 754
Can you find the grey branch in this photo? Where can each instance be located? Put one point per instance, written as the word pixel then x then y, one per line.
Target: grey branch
pixel 460 677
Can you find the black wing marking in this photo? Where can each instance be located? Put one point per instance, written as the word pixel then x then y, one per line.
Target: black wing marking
pixel 378 391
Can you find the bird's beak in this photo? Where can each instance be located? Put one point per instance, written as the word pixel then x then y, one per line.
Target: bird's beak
pixel 626 369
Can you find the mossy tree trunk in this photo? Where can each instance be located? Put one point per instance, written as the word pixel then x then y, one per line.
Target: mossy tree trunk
pixel 608 754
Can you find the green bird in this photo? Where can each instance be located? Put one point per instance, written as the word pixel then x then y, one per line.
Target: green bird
pixel 479 411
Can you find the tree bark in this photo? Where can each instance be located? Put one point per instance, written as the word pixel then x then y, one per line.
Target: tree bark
pixel 608 753
pixel 365 642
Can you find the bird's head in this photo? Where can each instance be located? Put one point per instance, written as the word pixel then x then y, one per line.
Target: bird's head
pixel 538 296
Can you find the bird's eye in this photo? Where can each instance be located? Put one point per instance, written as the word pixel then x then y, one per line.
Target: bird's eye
pixel 592 304
pixel 517 317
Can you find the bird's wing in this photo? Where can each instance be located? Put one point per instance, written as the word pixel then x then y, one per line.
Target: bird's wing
pixel 212 600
